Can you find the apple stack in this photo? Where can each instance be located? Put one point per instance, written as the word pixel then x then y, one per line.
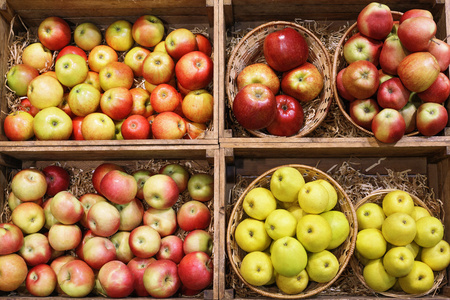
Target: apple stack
pixel 135 235
pixel 399 247
pixel 135 85
pixel 389 75
pixel 290 234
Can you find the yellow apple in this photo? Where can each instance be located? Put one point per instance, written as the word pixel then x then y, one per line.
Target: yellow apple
pixel 419 212
pixel 364 261
pixel 322 266
pixel 419 280
pixel 370 215
pixel 314 232
pixel 398 261
pixel 285 183
pixel 429 231
pixel 296 211
pixel 280 223
pixel 332 194
pixel 437 257
pixel 399 229
pixel 340 228
pixel 397 201
pixel 313 197
pixel 370 243
pixel 288 256
pixel 259 203
pixel 256 268
pixel 414 248
pixel 251 235
pixel 376 276
pixel 294 284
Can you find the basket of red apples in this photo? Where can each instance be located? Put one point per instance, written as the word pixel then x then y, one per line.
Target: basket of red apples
pixel 277 80
pixel 388 76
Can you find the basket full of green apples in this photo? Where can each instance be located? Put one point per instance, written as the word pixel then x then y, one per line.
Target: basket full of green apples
pixel 291 233
pixel 400 250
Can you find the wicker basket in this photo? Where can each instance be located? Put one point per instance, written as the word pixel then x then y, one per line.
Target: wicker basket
pixel 377 197
pixel 339 63
pixel 343 252
pixel 250 50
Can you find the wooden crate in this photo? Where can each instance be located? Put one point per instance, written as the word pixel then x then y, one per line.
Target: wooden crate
pixel 205 160
pixel 196 15
pixel 239 16
pixel 247 161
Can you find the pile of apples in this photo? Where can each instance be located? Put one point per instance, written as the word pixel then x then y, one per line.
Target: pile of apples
pixel 400 244
pixel 394 80
pixel 126 238
pixel 263 100
pixel 125 83
pixel 290 231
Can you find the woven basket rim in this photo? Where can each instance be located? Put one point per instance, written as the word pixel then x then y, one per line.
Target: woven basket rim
pixel 327 75
pixel 340 101
pixel 355 264
pixel 352 241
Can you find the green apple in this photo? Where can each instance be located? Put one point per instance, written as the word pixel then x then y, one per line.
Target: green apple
pixel 332 194
pixel 256 268
pixel 340 228
pixel 399 229
pixel 437 257
pixel 251 235
pixel 294 284
pixel 280 223
pixel 370 215
pixel 71 69
pixel 296 211
pixel 259 203
pixel 285 183
pixel 419 280
pixel 414 248
pixel 322 266
pixel 376 276
pixel 313 197
pixel 429 231
pixel 288 256
pixel 45 91
pixel 370 243
pixel 419 212
pixel 398 261
pixel 52 123
pixel 397 201
pixel 314 232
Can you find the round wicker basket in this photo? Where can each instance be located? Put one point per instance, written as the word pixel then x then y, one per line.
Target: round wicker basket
pixel 377 197
pixel 343 252
pixel 250 50
pixel 339 63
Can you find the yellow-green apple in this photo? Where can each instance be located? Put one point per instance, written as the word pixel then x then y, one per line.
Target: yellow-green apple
pixel 392 53
pixel 135 58
pixel 314 232
pixel 430 231
pixel 52 123
pixel 254 106
pixel 76 129
pixel 196 270
pixel 436 257
pixel 258 73
pixel 71 49
pixel 419 280
pixel 98 126
pixel 116 74
pixel 251 235
pixel 375 20
pixel 340 227
pixel 118 187
pixel 57 178
pixel 18 78
pixel 438 92
pixel 118 35
pixel 370 215
pixel 161 279
pixel 164 98
pixel 399 229
pixel 409 112
pixel 313 197
pixel 419 212
pixel 161 47
pixel 322 266
pixel 93 79
pixel 84 99
pixel 285 49
pixel 296 211
pixel 100 171
pixel 194 70
pixel 148 30
pixel 160 191
pixel 203 43
pixel 158 67
pixel 141 102
pixel 256 268
pixel 18 126
pixel 398 261
pixel 29 217
pixel 285 184
pixel 332 194
pixel 370 243
pixel 64 237
pixel 54 33
pixel 117 103
pixel 45 91
pixel 11 238
pixel 198 105
pixel 293 284
pixel 198 240
pixel 141 176
pixel 87 200
pixel 384 76
pixel 164 221
pixel 392 94
pixel 41 281
pixel 431 118
pixel 35 249
pixel 115 280
pixel 37 56
pixel 288 256
pixel 415 33
pixel 415 12
pixel 418 71
pixel 120 241
pixel 201 187
pixel 388 126
pixel 97 251
pixel 180 42
pixel 13 201
pixel 87 35
pixel 397 201
pixel 362 112
pixel 172 247
pixel 144 241
pixel 29 184
pixel 103 219
pixel 168 125
pixel 101 56
pixel 76 278
pixel 71 69
pixel 258 203
pixel 192 215
pixel 376 276
pixel 178 173
pixel 361 79
pixel 66 208
pixel 280 223
pixel 50 220
pixel 13 272
pixel 131 214
pixel 138 266
pixel 194 130
pixel 441 51
pixel 25 105
pixel 341 88
pixel 362 47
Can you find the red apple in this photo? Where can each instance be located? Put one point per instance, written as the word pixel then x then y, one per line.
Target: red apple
pixel 18 126
pixel 144 241
pixel 100 171
pixel 116 279
pixel 141 103
pixel 416 33
pixel 138 266
pixel 97 251
pixel 58 262
pixel 25 105
pixel 131 214
pixel 148 30
pixel 171 248
pixel 375 21
pixel 161 279
pixel 76 278
pixel 168 125
pixel 415 12
pixel 289 117
pixel 161 191
pixel 103 219
pixel 194 130
pixel 198 240
pixel 13 272
pixel 164 98
pixel 193 215
pixel 392 54
pixel 178 173
pixel 54 33
pixel 361 47
pixel 418 71
pixel 441 51
pixel 180 42
pixel 11 238
pixel 87 235
pixel 258 73
pixel 71 49
pixel 362 112
pixel 118 187
pixel 58 179
pixel 116 74
pixel 41 281
pixel 203 44
pixel 304 83
pixel 361 79
pixel 64 237
pixel 35 249
pixel 117 103
pixel 196 270
pixel 164 221
pixel 194 70
pixel 158 67
pixel 431 118
pixel 388 126
pixel 438 92
pixel 76 129
pixel 18 78
pixel 392 94
pixel 66 208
